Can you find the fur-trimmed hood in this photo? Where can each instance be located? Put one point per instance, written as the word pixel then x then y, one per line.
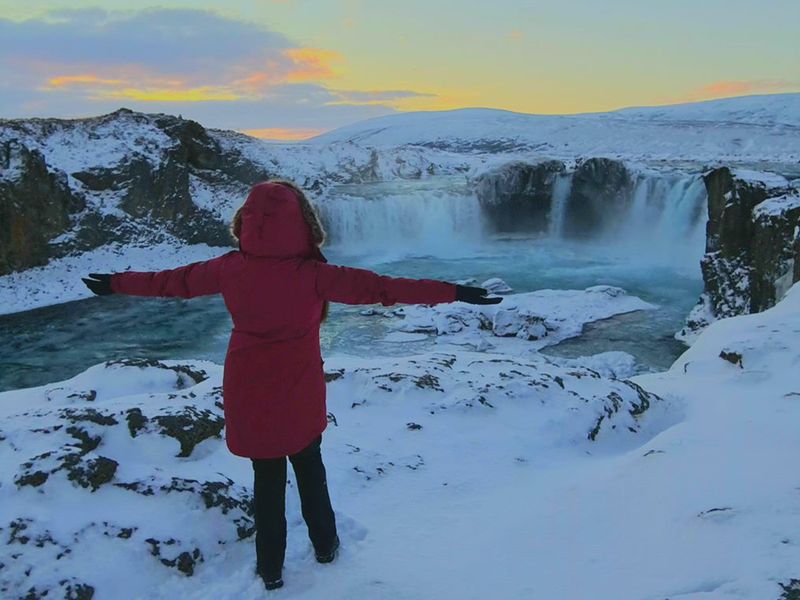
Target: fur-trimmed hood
pixel 278 221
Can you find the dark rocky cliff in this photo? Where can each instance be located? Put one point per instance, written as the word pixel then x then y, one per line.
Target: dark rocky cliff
pixel 752 246
pixel 517 196
pixel 36 205
pixel 144 196
pixel 601 191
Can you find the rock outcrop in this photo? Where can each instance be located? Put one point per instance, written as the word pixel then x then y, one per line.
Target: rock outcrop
pixel 522 197
pixel 36 205
pixel 517 196
pixel 601 191
pixel 752 247
pixel 145 181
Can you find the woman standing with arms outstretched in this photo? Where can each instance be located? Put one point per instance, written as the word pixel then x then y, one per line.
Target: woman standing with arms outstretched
pixel 277 287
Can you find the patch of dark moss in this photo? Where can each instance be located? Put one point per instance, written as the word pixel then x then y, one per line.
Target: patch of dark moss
pixel 136 420
pixel 732 357
pixel 34 479
pixel 93 473
pixel 333 375
pixel 86 441
pixel 91 415
pixel 190 427
pixel 791 590
pixel 185 562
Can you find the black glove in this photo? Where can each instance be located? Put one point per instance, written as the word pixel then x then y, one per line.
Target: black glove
pixel 100 283
pixel 474 295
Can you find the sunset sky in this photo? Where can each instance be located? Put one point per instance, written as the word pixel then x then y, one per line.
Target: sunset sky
pixel 290 69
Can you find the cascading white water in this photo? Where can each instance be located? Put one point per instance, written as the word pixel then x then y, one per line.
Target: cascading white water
pixel 426 217
pixel 665 221
pixel 558 208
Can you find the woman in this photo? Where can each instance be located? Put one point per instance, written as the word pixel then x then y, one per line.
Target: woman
pixel 277 287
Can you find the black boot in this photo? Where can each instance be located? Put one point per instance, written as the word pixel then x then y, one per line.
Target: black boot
pixel 272 582
pixel 328 557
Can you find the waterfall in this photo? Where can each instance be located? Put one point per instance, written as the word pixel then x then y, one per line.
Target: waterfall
pixel 665 221
pixel 658 219
pixel 427 217
pixel 561 188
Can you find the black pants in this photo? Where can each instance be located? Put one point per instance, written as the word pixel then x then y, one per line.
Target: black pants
pixel 270 506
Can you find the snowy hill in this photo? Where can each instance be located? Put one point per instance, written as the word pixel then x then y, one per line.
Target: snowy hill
pixel 456 475
pixel 748 129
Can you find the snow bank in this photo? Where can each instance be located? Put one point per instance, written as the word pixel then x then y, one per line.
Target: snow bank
pixel 777 206
pixel 541 318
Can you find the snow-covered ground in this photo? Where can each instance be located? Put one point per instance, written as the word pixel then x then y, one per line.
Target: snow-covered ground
pixel 454 474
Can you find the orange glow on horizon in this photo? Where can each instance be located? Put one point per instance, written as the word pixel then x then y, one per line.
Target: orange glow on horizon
pixel 283 133
pixel 731 88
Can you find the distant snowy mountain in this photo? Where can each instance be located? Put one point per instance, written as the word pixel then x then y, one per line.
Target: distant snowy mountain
pixel 748 129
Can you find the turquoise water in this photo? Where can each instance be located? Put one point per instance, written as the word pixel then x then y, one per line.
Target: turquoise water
pixel 57 342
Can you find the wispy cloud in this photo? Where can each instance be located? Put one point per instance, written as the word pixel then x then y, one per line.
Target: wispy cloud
pixel 166 55
pixel 366 97
pixel 311 64
pixel 222 70
pixel 725 88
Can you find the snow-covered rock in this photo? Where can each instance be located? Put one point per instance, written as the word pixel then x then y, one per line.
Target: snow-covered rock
pixel 495 285
pixel 540 318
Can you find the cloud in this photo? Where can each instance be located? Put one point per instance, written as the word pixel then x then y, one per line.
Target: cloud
pixel 222 71
pixel 725 88
pixel 386 97
pixel 157 55
pixel 165 40
pixel 311 64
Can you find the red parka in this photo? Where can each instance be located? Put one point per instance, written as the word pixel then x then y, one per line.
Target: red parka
pixel 274 287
